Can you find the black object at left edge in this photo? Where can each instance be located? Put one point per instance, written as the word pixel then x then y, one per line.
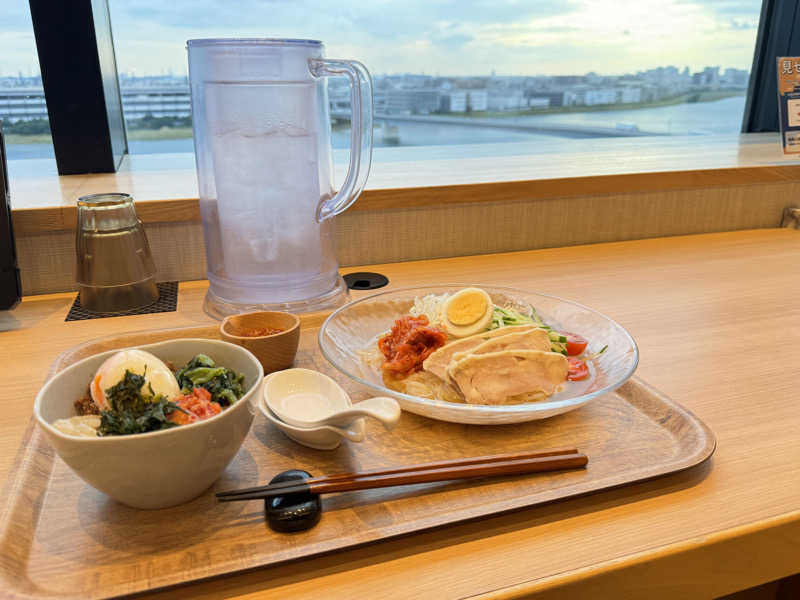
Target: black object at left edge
pixel 10 283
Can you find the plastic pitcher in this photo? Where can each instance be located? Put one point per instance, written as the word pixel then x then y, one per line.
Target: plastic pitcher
pixel 262 141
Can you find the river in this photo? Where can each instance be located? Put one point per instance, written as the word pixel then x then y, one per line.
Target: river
pixel 720 116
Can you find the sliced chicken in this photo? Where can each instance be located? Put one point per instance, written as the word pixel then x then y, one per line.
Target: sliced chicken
pixel 532 339
pixel 508 376
pixel 438 361
pixel 487 335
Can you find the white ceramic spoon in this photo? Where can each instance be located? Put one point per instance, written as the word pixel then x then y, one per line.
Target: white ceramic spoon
pixel 386 410
pixel 309 399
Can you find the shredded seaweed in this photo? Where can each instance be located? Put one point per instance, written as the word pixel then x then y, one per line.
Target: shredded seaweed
pixel 132 411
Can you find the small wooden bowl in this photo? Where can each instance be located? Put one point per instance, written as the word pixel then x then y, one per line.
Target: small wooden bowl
pixel 274 352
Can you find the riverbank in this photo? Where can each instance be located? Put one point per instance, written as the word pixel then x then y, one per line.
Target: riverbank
pixel 693 98
pixel 164 133
pixel 696 118
pixel 180 133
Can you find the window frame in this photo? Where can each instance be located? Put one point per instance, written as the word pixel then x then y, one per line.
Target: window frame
pixel 778 35
pixel 81 88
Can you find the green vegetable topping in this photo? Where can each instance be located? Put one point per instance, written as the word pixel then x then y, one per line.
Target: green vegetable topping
pixel 596 354
pixel 508 317
pixel 133 412
pixel 225 386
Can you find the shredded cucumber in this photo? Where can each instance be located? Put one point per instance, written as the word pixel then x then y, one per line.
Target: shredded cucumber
pixel 508 317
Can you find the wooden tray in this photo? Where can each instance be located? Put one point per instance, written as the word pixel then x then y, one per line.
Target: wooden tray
pixel 60 537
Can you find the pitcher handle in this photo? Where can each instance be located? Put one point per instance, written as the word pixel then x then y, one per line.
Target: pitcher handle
pixel 360 132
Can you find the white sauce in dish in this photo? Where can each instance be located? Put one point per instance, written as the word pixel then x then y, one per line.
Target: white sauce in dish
pixel 306 406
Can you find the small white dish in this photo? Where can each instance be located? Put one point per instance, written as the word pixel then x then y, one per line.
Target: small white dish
pixel 325 437
pixel 301 397
pixel 309 399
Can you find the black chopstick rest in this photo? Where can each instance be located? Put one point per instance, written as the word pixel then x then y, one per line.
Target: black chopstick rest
pixel 294 512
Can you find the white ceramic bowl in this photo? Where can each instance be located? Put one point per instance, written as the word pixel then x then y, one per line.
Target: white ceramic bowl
pixel 160 468
pixel 355 327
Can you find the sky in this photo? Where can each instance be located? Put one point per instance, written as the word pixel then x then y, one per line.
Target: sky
pixel 436 37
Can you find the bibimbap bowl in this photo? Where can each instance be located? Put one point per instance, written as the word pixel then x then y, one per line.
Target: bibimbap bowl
pixel 160 468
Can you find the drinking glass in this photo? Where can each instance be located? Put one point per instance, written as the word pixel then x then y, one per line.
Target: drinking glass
pixel 114 267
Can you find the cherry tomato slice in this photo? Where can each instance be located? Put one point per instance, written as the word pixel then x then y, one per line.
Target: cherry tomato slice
pixel 578 369
pixel 575 344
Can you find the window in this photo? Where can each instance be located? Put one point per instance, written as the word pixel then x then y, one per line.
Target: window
pixel 459 72
pixel 22 105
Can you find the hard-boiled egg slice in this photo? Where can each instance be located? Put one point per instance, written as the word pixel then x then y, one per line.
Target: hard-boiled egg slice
pixel 467 312
pixel 156 375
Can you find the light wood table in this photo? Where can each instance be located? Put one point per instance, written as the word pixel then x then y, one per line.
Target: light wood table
pixel 717 320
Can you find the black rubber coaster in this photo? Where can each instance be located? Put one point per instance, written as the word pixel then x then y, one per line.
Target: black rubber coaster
pixel 167 302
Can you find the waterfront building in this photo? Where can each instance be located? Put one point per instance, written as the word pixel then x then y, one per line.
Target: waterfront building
pixel 22 104
pixel 171 101
pixel 412 102
pixel 629 95
pixel 26 104
pixel 503 99
pixel 539 102
pixel 453 102
pixel 478 100
pixel 22 99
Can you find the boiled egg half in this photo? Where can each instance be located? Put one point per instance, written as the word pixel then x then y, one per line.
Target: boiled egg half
pixel 156 374
pixel 467 312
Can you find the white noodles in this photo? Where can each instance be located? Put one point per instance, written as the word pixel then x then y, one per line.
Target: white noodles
pixel 82 426
pixel 432 306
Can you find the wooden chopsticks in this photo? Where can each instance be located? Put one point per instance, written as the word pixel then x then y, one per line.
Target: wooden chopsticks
pixel 479 466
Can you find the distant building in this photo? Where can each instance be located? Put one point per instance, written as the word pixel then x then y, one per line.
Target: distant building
pixel 478 100
pixel 600 96
pixel 538 99
pixel 735 78
pixel 454 102
pixel 339 101
pixel 22 98
pixel 503 99
pixel 22 104
pixel 412 102
pixel 583 95
pixel 138 102
pixel 629 95
pixel 708 77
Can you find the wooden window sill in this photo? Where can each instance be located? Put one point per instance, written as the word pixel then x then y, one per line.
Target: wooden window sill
pixel 165 186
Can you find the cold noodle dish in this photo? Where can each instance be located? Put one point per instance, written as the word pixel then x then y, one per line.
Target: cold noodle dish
pixel 461 347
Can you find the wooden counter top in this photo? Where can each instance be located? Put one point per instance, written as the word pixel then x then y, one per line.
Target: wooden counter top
pixel 717 321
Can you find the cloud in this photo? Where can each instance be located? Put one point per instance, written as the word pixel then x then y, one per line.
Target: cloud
pixel 17 18
pixel 460 37
pixel 454 41
pixel 740 24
